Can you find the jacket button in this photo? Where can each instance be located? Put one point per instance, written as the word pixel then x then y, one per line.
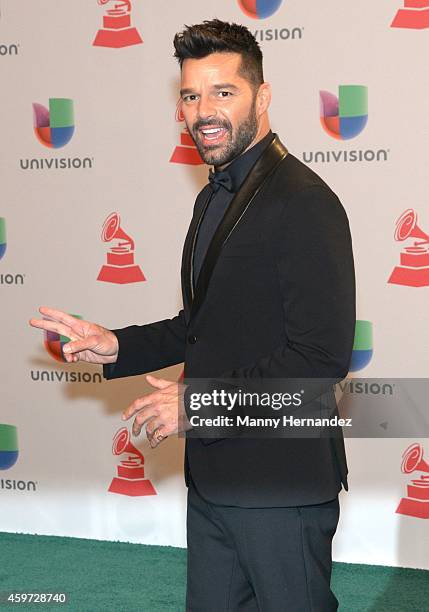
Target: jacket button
pixel 192 339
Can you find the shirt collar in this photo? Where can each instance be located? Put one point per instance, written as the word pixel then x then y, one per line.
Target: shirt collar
pixel 232 177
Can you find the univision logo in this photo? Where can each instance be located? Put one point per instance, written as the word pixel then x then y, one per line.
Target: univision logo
pixel 262 9
pixel 344 117
pixel 8 457
pixel 7 279
pixel 8 446
pixel 259 9
pixel 365 387
pixel 2 237
pixel 362 346
pixel 12 49
pixel 54 127
pixel 54 344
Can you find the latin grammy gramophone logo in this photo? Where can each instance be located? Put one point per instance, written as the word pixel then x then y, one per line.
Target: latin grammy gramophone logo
pixel 186 152
pixel 130 479
pixel 413 269
pixel 414 15
pixel 120 267
pixel 417 501
pixel 117 30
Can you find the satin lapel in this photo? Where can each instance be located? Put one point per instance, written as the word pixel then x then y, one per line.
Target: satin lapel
pixel 265 164
pixel 189 247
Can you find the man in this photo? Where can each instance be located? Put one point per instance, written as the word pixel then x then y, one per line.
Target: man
pixel 268 293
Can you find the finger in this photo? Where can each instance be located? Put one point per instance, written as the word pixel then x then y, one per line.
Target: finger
pixel 81 345
pixel 139 403
pixel 59 315
pixel 158 435
pixel 52 326
pixel 154 424
pixel 159 383
pixel 72 358
pixel 142 417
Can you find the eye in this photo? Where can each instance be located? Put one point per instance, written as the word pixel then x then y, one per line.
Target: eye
pixel 225 94
pixel 190 98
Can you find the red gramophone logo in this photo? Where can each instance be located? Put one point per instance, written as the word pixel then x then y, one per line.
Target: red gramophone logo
pixel 186 152
pixel 117 30
pixel 417 501
pixel 130 479
pixel 120 267
pixel 414 15
pixel 413 270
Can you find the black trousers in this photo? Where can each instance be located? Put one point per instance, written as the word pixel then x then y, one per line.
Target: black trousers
pixel 259 559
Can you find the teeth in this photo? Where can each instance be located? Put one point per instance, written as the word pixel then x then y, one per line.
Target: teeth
pixel 211 131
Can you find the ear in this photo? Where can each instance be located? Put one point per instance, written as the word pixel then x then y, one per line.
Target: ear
pixel 263 98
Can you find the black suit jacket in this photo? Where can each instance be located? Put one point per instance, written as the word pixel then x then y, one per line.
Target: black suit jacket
pixel 275 299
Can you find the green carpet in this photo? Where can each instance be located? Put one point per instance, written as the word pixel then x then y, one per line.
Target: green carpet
pixel 120 577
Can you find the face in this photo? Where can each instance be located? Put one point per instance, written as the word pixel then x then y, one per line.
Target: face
pixel 220 107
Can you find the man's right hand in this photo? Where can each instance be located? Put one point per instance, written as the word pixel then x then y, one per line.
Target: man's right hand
pixel 89 342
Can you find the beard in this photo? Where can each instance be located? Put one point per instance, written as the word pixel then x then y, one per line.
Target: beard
pixel 236 141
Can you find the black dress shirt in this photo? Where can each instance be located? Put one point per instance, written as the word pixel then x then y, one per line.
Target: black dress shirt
pixel 225 185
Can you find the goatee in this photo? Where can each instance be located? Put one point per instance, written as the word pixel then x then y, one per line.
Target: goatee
pixel 237 143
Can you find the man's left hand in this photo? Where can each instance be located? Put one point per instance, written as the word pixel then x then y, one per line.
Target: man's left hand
pixel 162 411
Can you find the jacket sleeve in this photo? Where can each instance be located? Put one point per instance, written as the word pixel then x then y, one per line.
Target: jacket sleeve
pixel 316 281
pixel 146 348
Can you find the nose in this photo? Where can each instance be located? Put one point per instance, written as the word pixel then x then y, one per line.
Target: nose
pixel 206 108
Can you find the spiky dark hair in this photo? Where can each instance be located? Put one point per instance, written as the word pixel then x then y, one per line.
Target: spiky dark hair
pixel 215 36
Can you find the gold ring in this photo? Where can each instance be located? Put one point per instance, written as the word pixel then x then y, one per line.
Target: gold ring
pixel 158 435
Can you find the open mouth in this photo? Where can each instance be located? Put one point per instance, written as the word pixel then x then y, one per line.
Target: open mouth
pixel 212 134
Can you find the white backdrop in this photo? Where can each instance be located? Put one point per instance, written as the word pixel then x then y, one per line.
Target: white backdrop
pixel 118 159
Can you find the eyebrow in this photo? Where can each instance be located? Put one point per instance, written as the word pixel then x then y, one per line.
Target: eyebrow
pixel 218 86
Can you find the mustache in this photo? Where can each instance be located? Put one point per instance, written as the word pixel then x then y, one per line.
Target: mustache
pixel 207 122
